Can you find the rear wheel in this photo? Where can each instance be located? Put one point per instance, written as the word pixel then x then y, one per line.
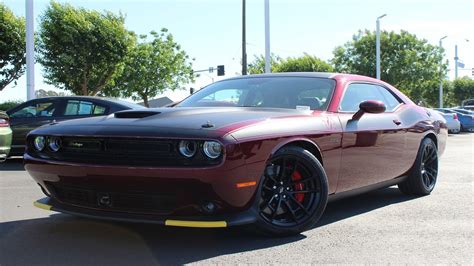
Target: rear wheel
pixel 423 176
pixel 293 192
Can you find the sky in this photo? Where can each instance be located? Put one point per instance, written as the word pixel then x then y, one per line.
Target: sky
pixel 210 30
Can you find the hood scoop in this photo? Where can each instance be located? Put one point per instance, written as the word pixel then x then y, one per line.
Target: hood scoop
pixel 135 114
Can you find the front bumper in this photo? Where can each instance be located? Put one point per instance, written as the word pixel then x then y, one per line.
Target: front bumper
pixel 245 217
pixel 148 194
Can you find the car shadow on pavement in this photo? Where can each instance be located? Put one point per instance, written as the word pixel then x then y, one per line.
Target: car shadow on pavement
pixel 63 239
pixel 12 164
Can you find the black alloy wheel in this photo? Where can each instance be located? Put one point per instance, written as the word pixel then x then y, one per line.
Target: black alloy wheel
pixel 429 166
pixel 293 192
pixel 424 173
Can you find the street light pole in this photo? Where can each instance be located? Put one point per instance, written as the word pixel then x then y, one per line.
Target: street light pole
pixel 377 46
pixel 456 60
pixel 441 74
pixel 244 42
pixel 267 37
pixel 30 51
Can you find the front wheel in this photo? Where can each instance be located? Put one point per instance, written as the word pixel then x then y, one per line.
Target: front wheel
pixel 423 175
pixel 293 192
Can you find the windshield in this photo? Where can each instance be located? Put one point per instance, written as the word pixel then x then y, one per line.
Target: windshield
pixel 271 92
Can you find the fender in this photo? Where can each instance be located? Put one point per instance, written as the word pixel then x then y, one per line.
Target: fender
pixel 298 139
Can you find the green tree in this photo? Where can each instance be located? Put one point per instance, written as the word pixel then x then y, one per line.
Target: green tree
pixel 5 106
pixel 82 51
pixel 44 93
pixel 152 67
pixel 257 66
pixel 463 89
pixel 430 95
pixel 305 63
pixel 410 64
pixel 12 47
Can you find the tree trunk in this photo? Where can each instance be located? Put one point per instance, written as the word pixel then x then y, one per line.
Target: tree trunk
pixel 145 101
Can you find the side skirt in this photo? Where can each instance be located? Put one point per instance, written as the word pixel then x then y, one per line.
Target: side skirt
pixel 337 196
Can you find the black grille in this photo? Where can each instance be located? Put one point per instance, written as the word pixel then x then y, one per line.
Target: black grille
pixel 122 151
pixel 119 201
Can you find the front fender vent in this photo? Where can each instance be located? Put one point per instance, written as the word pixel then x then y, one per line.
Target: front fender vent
pixel 135 114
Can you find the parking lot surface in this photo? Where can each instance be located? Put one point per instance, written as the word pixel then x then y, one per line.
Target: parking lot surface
pixel 384 226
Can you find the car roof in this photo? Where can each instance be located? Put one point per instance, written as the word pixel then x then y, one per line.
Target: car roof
pixel 307 74
pixel 112 100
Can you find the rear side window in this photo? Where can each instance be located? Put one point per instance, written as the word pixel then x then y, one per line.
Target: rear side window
pixel 38 109
pixel 359 92
pixel 76 107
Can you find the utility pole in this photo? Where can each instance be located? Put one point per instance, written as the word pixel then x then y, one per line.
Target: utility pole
pixel 267 37
pixel 244 41
pixel 456 58
pixel 441 74
pixel 30 50
pixel 377 47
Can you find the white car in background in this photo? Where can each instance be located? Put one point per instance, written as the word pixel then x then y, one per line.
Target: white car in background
pixel 452 120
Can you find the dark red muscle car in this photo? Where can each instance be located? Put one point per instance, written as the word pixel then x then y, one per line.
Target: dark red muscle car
pixel 264 149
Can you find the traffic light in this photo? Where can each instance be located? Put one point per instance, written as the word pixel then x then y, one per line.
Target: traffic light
pixel 220 70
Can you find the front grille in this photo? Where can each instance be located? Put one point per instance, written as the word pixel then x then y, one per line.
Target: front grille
pixel 122 151
pixel 118 201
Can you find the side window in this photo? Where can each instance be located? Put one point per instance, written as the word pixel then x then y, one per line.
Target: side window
pixel 38 109
pixel 391 102
pixel 76 107
pixel 357 93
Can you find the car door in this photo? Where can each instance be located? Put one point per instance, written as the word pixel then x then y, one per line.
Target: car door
pixel 372 146
pixel 29 116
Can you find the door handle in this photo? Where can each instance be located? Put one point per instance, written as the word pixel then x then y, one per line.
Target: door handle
pixel 397 122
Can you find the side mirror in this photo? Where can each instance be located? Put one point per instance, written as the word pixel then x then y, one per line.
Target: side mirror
pixel 369 106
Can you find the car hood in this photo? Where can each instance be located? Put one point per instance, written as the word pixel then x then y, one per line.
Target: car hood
pixel 170 122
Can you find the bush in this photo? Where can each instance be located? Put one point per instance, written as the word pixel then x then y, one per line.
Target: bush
pixel 9 105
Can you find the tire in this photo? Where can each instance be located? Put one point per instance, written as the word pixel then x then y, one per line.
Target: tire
pixel 424 173
pixel 291 199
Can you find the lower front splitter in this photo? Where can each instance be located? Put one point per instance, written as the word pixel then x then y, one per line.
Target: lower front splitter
pixel 246 217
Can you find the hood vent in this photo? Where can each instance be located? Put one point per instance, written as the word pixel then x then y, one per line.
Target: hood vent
pixel 135 114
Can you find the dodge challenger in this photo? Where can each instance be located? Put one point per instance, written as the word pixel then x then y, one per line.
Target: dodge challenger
pixel 268 150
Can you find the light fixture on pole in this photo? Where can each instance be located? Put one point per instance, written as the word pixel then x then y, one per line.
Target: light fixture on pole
pixel 377 46
pixel 30 50
pixel 441 73
pixel 267 37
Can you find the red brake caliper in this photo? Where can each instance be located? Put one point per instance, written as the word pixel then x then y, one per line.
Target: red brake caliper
pixel 298 186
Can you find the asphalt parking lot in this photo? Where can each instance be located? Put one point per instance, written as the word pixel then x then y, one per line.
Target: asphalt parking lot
pixel 379 227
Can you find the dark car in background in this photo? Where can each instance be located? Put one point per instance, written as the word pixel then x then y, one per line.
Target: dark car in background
pixel 35 113
pixel 465 117
pixel 468 104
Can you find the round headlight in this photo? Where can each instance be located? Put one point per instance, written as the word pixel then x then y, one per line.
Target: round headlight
pixel 187 148
pixel 212 149
pixel 54 143
pixel 39 143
